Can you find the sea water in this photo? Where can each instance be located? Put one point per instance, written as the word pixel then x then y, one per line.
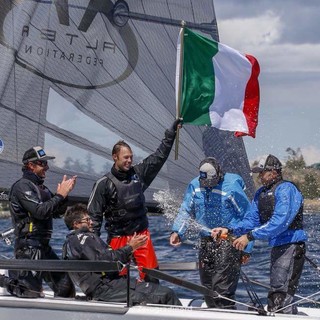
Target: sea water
pixel 257 269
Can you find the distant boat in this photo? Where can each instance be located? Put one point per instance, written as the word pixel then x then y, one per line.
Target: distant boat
pixel 77 76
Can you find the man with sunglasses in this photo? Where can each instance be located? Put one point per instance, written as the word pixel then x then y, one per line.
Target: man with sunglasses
pixel 276 215
pixel 83 244
pixel 32 208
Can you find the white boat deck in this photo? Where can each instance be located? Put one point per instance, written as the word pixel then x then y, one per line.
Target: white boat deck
pixel 50 308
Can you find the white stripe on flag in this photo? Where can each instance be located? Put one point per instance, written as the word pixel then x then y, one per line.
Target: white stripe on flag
pixel 232 73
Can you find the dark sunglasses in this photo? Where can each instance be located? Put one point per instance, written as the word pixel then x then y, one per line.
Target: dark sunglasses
pixel 85 220
pixel 41 163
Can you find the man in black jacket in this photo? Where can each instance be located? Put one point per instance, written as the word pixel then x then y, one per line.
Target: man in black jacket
pixel 83 244
pixel 32 208
pixel 119 196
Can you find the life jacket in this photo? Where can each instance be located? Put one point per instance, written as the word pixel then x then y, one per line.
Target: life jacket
pixel 266 205
pixel 87 281
pixel 24 224
pixel 129 213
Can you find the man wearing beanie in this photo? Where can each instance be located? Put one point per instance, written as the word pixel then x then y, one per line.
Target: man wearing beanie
pixel 213 199
pixel 276 215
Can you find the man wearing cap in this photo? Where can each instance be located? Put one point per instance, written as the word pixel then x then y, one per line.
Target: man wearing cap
pixel 32 208
pixel 276 215
pixel 213 199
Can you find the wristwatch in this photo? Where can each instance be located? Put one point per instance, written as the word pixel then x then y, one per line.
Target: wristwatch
pixel 250 236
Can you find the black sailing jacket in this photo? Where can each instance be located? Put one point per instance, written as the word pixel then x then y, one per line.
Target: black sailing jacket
pixel 83 244
pixel 32 207
pixel 121 218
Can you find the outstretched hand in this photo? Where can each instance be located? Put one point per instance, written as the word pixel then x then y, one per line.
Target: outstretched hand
pixel 66 185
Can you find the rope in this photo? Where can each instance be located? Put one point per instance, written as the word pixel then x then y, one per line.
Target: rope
pixel 193 286
pixel 252 294
pixel 297 302
pixel 296 295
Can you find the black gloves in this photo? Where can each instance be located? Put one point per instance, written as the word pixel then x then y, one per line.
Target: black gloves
pixel 175 124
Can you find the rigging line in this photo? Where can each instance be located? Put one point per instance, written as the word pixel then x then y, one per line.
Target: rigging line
pixel 251 292
pixel 14 91
pixel 312 263
pixel 260 284
pixel 192 10
pixel 297 302
pixel 190 285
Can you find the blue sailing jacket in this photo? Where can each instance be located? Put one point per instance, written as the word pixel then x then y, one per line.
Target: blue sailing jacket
pixel 288 200
pixel 203 209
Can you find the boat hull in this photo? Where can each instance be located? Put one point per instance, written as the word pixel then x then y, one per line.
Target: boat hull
pixel 50 308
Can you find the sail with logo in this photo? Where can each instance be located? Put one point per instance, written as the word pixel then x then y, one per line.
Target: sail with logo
pixel 79 75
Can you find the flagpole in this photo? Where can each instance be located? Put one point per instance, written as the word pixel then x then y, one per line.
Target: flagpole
pixel 178 102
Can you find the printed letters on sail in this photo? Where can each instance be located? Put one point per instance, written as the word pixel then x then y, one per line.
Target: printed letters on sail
pixel 219 85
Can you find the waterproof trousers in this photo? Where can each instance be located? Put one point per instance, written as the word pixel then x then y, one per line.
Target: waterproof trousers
pixel 285 270
pixel 29 283
pixel 144 256
pixel 219 267
pixel 140 292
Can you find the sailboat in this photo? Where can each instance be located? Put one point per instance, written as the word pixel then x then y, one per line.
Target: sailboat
pixel 76 77
pixel 79 75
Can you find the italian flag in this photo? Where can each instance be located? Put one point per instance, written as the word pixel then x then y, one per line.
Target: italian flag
pixel 216 85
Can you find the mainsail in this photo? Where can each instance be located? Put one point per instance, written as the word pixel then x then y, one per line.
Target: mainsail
pixel 78 75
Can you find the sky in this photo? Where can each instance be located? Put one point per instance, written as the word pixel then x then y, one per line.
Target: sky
pixel 284 36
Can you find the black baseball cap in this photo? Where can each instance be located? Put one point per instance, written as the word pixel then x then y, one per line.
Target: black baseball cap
pixel 269 162
pixel 35 154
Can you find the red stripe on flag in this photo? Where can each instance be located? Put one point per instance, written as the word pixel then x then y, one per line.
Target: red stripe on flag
pixel 251 99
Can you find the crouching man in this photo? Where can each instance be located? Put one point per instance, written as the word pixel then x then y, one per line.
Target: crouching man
pixel 82 244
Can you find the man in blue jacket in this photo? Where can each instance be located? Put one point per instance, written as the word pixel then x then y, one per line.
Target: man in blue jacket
pixel 276 215
pixel 213 199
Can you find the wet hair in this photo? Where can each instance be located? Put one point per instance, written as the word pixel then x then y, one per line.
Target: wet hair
pixel 75 213
pixel 120 144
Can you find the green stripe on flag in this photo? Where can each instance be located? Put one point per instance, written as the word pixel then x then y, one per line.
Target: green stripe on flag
pixel 198 78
